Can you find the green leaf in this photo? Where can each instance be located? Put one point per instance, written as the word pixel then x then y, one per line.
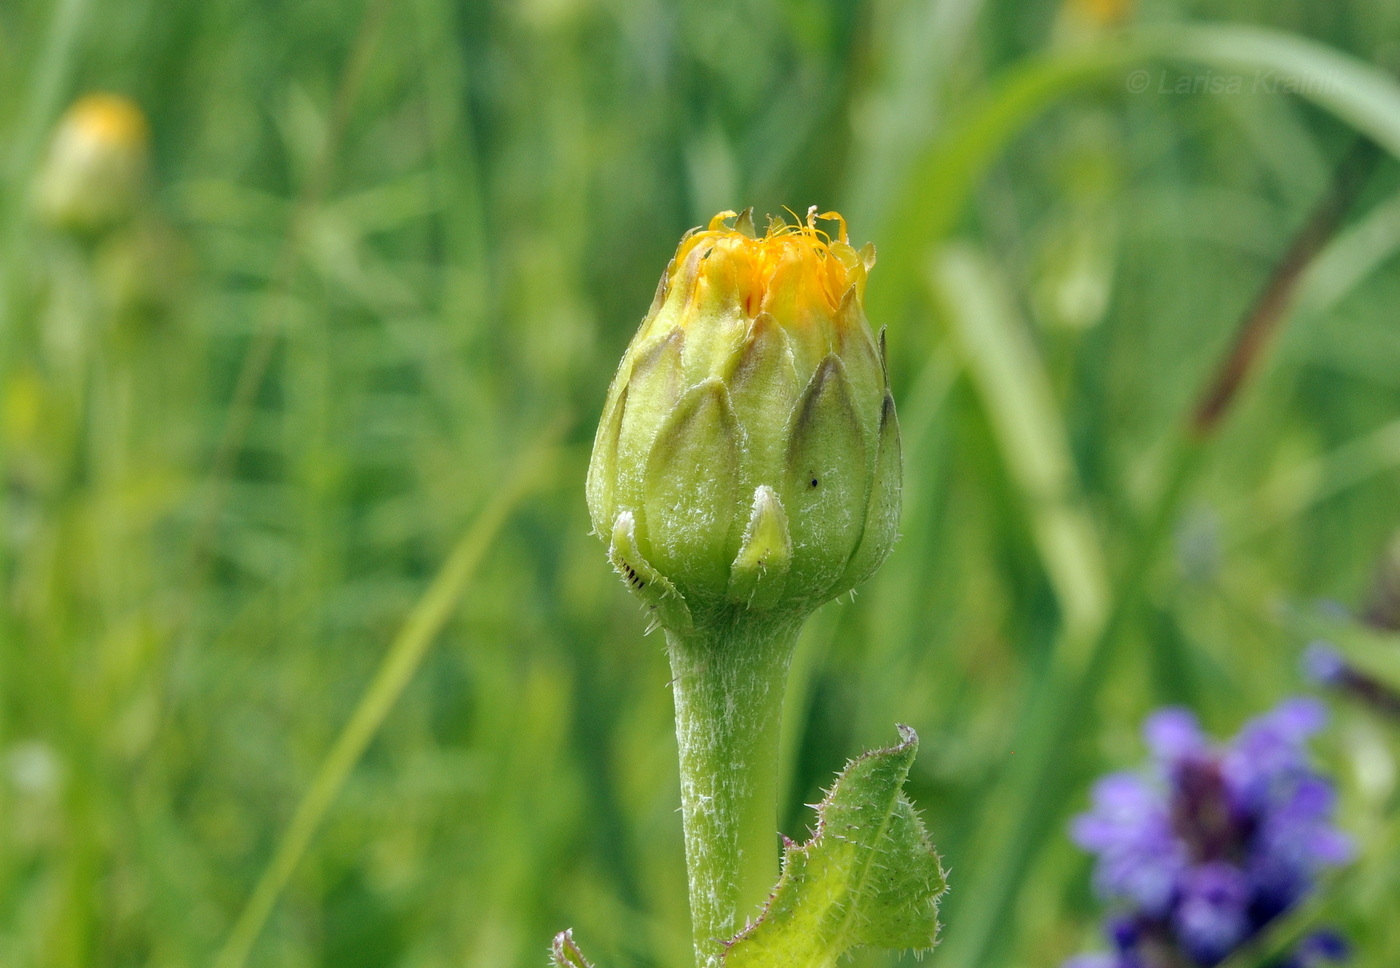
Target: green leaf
pixel 565 954
pixel 1361 94
pixel 868 876
pixel 940 182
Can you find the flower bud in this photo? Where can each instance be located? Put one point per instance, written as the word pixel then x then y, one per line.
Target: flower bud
pixel 94 174
pixel 748 456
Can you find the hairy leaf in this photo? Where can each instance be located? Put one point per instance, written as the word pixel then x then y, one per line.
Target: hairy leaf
pixel 565 954
pixel 868 876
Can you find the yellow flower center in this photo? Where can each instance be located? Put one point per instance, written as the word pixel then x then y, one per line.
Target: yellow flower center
pixel 108 119
pixel 796 267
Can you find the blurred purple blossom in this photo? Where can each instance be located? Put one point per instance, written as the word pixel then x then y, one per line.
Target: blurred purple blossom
pixel 1323 664
pixel 1211 842
pixel 1326 666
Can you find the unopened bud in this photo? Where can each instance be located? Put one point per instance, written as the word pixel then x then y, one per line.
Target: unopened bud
pixel 748 455
pixel 93 176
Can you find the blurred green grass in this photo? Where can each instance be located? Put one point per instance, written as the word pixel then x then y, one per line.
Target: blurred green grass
pixel 397 243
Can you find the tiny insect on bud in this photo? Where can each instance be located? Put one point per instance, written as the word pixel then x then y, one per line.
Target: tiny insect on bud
pixel 748 456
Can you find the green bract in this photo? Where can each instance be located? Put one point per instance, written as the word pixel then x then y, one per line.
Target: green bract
pixel 748 457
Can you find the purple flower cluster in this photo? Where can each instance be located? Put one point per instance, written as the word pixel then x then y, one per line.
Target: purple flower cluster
pixel 1212 842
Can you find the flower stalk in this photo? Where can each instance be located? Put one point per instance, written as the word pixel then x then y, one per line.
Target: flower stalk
pixel 746 471
pixel 728 687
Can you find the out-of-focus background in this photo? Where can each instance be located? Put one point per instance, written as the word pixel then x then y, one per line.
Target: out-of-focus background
pixel 305 307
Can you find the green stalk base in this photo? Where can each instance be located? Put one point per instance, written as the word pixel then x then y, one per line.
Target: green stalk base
pixel 728 684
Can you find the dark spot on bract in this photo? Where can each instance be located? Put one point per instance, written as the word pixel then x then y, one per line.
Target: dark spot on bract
pixel 632 577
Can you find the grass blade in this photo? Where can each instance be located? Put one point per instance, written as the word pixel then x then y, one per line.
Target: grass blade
pixel 1363 96
pixel 942 181
pixel 1015 390
pixel 1033 789
pixel 399 664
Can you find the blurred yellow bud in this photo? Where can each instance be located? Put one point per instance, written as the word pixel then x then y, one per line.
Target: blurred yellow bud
pixel 94 174
pixel 1102 13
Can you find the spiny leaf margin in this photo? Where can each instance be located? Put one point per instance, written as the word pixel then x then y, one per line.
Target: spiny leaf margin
pixel 565 954
pixel 868 876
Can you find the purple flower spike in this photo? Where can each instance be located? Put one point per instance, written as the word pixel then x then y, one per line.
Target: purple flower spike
pixel 1199 852
pixel 1173 733
pixel 1323 664
pixel 1298 718
pixel 1211 918
pixel 1271 751
pixel 1125 932
pixel 1323 946
pixel 1093 961
pixel 1318 950
pixel 1129 828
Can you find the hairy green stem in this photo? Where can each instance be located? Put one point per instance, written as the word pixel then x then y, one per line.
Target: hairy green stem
pixel 728 682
